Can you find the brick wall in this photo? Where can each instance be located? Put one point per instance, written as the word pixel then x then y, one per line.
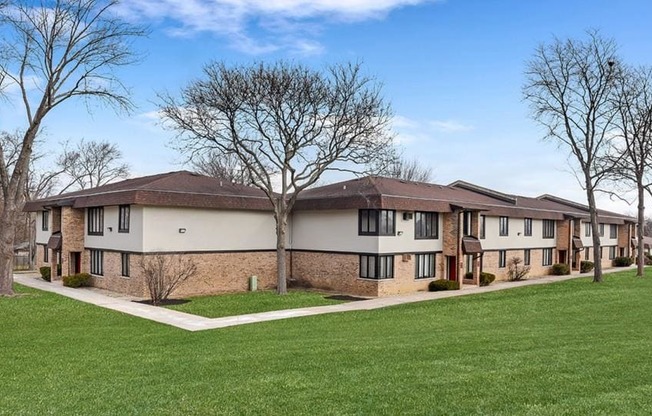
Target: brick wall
pixel 490 263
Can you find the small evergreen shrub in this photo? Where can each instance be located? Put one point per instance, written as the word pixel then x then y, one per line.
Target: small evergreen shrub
pixel 623 261
pixel 441 284
pixel 560 269
pixel 45 273
pixel 77 280
pixel 586 266
pixel 648 259
pixel 486 278
pixel 468 276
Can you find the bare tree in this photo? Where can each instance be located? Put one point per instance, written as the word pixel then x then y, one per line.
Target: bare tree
pixel 409 170
pixel 91 164
pixel 218 165
pixel 632 146
pixel 164 273
pixel 72 47
pixel 569 87
pixel 286 123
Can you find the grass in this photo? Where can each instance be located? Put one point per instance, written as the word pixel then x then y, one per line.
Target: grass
pixel 568 348
pixel 251 302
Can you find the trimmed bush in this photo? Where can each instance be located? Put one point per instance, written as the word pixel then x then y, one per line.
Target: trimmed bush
pixel 648 259
pixel 468 276
pixel 45 273
pixel 586 266
pixel 560 269
pixel 486 278
pixel 441 284
pixel 623 261
pixel 77 280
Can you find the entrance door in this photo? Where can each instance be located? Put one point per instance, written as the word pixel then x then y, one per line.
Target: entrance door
pixel 452 267
pixel 562 256
pixel 75 262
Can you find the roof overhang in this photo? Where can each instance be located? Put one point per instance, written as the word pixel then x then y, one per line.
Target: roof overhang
pixel 577 244
pixel 471 245
pixel 54 243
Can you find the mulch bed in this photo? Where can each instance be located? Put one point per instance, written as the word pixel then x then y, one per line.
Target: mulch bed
pixel 346 298
pixel 166 302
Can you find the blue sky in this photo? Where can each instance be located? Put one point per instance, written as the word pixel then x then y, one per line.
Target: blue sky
pixel 452 69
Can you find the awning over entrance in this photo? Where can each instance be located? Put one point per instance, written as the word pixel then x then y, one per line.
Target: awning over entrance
pixel 471 245
pixel 54 243
pixel 577 243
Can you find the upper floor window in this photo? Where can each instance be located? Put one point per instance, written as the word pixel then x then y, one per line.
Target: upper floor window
pixel 376 222
pixel 601 230
pixel 96 221
pixel 426 225
pixel 377 267
pixel 482 226
pixel 613 231
pixel 527 227
pixel 123 218
pixel 45 220
pixel 503 226
pixel 587 229
pixel 467 221
pixel 548 228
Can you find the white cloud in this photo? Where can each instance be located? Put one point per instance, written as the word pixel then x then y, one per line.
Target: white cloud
pixel 286 24
pixel 449 126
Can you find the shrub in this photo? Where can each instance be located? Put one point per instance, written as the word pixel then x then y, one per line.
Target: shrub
pixel 468 276
pixel 486 278
pixel 77 280
pixel 560 269
pixel 514 271
pixel 648 259
pixel 623 261
pixel 441 284
pixel 586 266
pixel 45 273
pixel 164 273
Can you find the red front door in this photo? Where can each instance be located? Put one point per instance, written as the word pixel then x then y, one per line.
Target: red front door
pixel 452 268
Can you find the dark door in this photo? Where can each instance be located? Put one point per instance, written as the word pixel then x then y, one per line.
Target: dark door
pixel 75 262
pixel 452 268
pixel 562 256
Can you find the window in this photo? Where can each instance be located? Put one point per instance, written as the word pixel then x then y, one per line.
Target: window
pixel 376 222
pixel 46 254
pixel 586 253
pixel 96 221
pixel 613 231
pixel 467 223
pixel 45 220
pixel 123 218
pixel 425 265
pixel 527 227
pixel 503 226
pixel 526 257
pixel 547 257
pixel 125 264
pixel 426 225
pixel 548 228
pixel 601 230
pixel 377 267
pixel 97 262
pixel 468 261
pixel 482 227
pixel 502 258
pixel 587 229
pixel 612 252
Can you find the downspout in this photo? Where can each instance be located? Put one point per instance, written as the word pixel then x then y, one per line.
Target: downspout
pixel 458 257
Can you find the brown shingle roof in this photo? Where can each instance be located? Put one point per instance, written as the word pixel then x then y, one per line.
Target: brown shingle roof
pixel 182 189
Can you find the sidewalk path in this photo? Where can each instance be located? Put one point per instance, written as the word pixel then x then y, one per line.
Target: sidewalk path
pixel 125 304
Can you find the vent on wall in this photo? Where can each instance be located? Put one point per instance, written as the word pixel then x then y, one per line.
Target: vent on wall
pixel 407 216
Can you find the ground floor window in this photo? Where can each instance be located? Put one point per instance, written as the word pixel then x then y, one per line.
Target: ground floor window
pixel 425 265
pixel 502 258
pixel 46 254
pixel 125 264
pixel 97 262
pixel 469 263
pixel 612 252
pixel 526 257
pixel 547 257
pixel 377 267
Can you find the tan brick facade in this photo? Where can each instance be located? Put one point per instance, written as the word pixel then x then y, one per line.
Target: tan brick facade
pixel 490 263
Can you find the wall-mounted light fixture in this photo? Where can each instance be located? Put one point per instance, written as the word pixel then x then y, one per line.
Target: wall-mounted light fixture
pixel 400 233
pixel 182 230
pixel 110 229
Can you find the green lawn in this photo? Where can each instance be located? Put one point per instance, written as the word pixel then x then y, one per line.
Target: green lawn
pixel 251 302
pixel 562 349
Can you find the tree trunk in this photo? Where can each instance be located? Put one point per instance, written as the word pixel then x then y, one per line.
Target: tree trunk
pixel 7 231
pixel 281 230
pixel 595 230
pixel 639 232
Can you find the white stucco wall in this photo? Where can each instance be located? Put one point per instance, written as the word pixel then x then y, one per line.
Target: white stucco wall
pixel 335 230
pixel 604 241
pixel 42 236
pixel 206 230
pixel 113 240
pixel 493 241
pixel 406 242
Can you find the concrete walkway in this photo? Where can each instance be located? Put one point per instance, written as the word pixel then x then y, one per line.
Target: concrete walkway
pixel 125 304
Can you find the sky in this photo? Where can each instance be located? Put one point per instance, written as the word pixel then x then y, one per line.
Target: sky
pixel 452 70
